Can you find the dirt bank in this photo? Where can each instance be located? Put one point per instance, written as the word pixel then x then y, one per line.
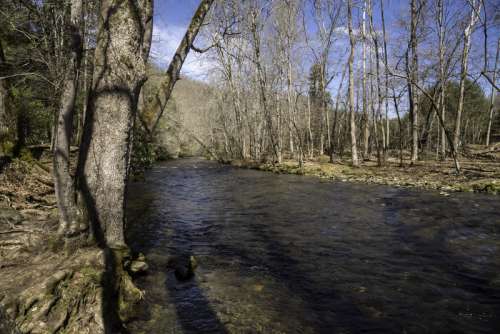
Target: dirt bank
pixel 48 285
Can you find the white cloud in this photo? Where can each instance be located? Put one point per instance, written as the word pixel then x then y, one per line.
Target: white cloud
pixel 166 39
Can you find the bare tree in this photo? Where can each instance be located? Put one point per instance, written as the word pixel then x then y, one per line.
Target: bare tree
pixel 287 35
pixel 354 149
pixel 325 15
pixel 366 122
pixel 255 26
pixel 492 97
pixel 413 73
pixel 377 114
pixel 63 181
pixel 386 83
pixel 442 71
pixel 474 16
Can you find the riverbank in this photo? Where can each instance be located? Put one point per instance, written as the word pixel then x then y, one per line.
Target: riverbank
pixel 477 176
pixel 50 285
pixel 44 287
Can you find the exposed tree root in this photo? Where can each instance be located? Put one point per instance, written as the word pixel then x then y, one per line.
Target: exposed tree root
pixel 49 284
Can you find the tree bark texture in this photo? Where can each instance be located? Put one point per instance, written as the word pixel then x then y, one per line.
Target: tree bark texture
pixel 123 44
pixel 63 180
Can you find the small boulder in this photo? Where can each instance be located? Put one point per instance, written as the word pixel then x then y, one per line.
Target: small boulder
pixel 141 257
pixel 138 267
pixel 183 266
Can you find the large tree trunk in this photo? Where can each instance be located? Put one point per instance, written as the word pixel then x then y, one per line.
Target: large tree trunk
pixel 123 43
pixel 474 16
pixel 63 181
pixel 354 149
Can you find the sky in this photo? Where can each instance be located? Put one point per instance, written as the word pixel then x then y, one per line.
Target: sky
pixel 171 19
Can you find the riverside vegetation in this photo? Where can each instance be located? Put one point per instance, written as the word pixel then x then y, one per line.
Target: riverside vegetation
pixel 477 176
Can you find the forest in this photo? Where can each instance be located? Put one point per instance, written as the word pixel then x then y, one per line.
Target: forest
pixel 130 157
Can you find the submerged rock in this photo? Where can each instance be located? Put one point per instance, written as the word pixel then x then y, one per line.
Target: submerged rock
pixel 183 266
pixel 138 267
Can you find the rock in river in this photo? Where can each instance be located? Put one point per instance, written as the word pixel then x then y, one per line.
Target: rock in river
pixel 138 267
pixel 183 266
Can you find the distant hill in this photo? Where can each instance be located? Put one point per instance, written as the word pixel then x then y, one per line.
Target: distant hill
pixel 184 124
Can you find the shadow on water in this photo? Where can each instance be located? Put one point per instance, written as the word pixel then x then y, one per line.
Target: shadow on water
pixel 326 307
pixel 357 257
pixel 428 243
pixel 194 303
pixel 195 313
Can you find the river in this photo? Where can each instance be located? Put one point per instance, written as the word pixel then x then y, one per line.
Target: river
pixel 296 254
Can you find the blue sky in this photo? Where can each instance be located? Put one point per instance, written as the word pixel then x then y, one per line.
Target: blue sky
pixel 171 20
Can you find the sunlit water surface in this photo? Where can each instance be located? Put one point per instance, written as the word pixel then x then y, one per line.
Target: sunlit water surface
pixel 292 254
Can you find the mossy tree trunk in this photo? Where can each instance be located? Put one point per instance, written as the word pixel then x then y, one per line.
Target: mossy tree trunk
pixel 122 49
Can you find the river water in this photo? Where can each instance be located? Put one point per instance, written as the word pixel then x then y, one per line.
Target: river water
pixel 295 254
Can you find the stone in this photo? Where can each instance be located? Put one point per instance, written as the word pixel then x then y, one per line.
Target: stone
pixel 141 257
pixel 138 267
pixel 184 267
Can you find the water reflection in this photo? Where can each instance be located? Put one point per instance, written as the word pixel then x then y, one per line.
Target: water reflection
pixel 289 254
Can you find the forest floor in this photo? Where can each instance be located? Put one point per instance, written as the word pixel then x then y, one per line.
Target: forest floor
pixel 480 171
pixel 44 287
